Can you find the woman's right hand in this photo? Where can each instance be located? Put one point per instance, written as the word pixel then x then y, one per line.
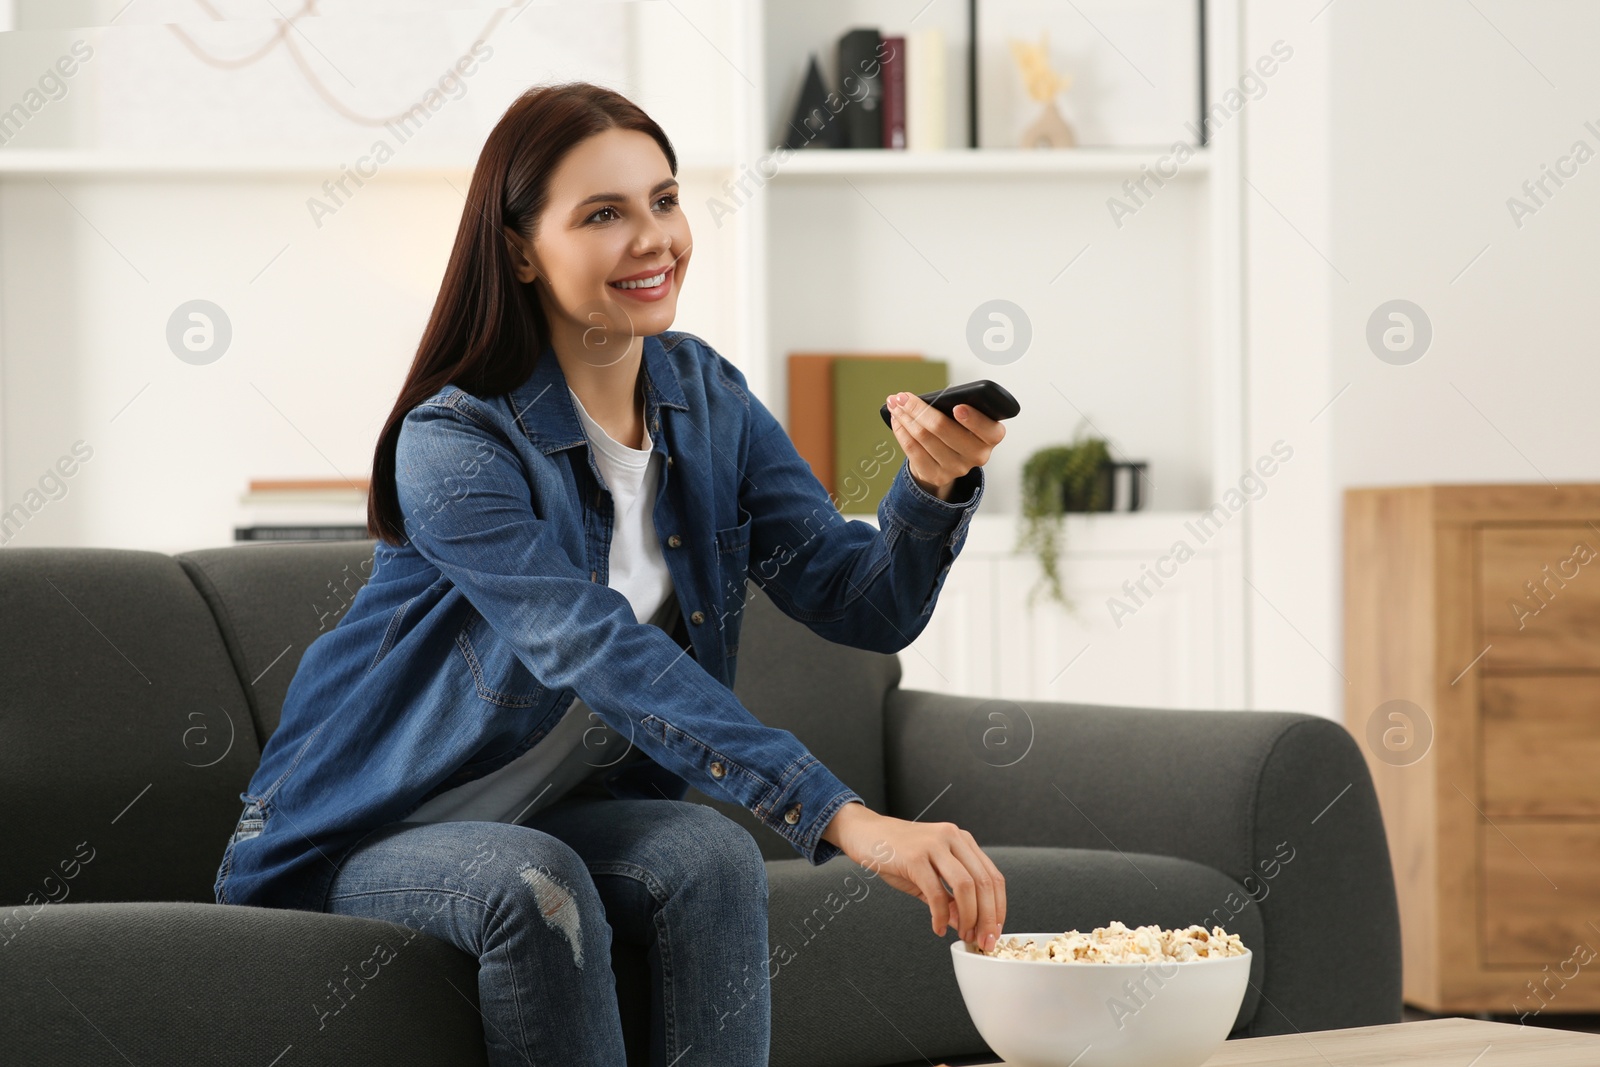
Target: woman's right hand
pixel 938 863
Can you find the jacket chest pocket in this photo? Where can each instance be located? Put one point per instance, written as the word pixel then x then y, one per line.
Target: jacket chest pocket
pixel 403 618
pixel 733 565
pixel 498 675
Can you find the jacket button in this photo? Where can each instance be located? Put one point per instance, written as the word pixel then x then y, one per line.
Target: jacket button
pixel 792 816
pixel 697 617
pixel 674 541
pixel 717 770
pixel 669 461
pixel 655 424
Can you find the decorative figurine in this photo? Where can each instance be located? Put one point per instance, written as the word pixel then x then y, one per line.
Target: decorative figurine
pixel 1049 130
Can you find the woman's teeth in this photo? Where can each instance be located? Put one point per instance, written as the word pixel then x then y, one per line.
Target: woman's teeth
pixel 643 283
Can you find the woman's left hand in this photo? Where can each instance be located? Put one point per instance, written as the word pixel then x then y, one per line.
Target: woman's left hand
pixel 939 448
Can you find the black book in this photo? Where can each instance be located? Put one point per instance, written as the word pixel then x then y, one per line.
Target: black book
pixel 861 86
pixel 814 125
pixel 309 532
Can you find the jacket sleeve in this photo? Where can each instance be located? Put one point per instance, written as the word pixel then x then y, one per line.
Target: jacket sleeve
pixel 467 507
pixel 855 585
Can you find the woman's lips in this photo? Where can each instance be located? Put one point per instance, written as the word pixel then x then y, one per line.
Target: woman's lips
pixel 653 293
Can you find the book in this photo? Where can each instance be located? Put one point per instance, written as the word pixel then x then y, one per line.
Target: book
pixel 867 455
pixel 863 91
pixel 925 90
pixel 301 533
pixel 894 92
pixel 303 509
pixel 301 485
pixel 281 492
pixel 811 406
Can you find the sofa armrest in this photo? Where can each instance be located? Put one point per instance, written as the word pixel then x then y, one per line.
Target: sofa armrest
pixel 171 982
pixel 1281 802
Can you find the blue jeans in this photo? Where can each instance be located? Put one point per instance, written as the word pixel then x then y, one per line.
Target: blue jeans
pixel 538 904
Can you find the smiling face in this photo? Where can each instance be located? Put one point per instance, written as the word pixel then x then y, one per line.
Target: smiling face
pixel 611 248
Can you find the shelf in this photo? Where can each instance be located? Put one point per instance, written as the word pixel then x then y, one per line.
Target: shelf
pixel 999 161
pixel 1135 535
pixel 97 163
pixel 804 162
pixel 93 162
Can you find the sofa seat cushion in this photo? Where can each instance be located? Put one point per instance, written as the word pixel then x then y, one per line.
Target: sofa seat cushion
pixel 859 980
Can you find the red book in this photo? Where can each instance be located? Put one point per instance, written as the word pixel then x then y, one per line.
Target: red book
pixel 811 406
pixel 894 92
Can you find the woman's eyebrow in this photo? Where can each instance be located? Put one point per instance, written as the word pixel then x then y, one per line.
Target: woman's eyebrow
pixel 598 198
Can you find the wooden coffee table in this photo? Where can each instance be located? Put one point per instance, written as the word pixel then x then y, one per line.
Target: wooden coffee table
pixel 1428 1043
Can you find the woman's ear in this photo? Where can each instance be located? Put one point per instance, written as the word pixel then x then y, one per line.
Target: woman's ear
pixel 519 256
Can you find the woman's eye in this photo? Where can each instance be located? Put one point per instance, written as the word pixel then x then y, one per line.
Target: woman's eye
pixel 671 200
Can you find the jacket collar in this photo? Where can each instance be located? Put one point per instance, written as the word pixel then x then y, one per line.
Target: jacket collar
pixel 542 405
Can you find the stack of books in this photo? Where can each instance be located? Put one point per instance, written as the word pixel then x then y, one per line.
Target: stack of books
pixel 304 509
pixel 836 425
pixel 889 92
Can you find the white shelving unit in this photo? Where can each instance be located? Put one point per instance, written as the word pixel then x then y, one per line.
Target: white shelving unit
pixel 891 250
pixel 988 162
pixel 78 162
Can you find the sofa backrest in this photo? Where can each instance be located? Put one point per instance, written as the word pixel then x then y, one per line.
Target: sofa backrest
pixel 125 733
pixel 270 602
pixel 139 688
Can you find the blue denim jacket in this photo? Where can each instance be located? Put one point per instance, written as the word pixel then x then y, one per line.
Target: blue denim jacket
pixel 469 642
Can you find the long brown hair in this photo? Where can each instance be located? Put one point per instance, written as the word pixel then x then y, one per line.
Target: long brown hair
pixel 487 327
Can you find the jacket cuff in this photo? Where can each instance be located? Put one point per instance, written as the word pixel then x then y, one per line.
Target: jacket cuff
pixel 926 516
pixel 811 798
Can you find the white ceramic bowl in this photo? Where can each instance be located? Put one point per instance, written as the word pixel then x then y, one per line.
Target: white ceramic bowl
pixel 1046 1013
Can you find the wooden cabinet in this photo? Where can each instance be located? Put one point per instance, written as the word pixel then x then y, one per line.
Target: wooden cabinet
pixel 1472 652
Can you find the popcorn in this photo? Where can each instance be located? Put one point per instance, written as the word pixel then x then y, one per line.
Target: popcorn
pixel 1118 944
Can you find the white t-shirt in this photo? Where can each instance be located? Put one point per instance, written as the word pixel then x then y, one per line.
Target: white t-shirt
pixel 561 759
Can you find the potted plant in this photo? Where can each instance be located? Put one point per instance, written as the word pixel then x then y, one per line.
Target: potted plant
pixel 1055 480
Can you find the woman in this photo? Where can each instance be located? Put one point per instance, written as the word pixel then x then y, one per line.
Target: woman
pixel 560 466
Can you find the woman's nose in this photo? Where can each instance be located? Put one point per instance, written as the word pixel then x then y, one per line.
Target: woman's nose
pixel 653 237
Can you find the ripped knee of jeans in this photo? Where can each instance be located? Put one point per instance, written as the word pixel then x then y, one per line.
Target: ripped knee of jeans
pixel 557 907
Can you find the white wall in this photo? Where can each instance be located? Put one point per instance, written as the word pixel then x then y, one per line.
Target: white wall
pixel 1293 538
pixel 1441 111
pixel 1392 152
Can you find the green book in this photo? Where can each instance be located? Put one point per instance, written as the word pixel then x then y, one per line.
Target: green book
pixel 866 453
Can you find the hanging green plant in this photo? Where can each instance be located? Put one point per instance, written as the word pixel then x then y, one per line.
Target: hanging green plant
pixel 1056 479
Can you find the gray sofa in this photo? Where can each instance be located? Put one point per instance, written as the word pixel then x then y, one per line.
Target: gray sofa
pixel 139 687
